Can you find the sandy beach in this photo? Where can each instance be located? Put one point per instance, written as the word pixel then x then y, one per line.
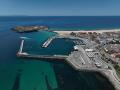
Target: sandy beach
pixel 84 31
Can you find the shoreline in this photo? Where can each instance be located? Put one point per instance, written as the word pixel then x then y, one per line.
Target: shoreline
pixel 109 74
pixel 64 32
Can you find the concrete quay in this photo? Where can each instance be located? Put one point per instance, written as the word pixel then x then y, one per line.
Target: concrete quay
pixel 110 74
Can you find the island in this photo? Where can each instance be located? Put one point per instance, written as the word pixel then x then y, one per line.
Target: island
pixel 32 28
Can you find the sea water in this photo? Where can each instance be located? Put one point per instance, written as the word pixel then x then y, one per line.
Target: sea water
pixel 27 74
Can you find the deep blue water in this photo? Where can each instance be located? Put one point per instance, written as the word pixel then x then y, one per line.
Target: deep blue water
pixel 21 74
pixel 65 22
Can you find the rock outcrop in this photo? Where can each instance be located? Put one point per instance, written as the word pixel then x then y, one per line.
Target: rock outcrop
pixel 29 28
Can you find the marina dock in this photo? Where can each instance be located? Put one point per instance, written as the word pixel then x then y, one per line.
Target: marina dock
pixel 48 41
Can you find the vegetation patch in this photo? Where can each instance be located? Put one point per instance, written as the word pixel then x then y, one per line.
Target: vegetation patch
pixel 117 68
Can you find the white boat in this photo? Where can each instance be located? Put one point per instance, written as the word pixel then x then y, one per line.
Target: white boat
pixel 25 38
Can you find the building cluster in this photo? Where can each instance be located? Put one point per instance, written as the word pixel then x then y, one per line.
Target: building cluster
pixel 114 51
pixel 109 42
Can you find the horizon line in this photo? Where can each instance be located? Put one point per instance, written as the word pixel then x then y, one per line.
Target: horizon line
pixel 55 15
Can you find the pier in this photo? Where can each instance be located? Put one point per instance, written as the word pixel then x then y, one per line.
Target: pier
pixel 49 40
pixel 21 47
pixel 48 57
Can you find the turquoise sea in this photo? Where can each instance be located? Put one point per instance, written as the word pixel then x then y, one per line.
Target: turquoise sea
pixel 23 74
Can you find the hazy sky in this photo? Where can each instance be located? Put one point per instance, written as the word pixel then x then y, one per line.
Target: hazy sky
pixel 60 7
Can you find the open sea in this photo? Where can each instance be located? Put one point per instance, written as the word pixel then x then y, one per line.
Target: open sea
pixel 23 74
